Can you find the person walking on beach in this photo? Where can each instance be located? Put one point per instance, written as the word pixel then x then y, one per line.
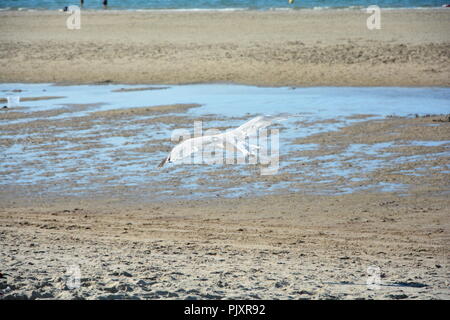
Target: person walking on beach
pixel 105 3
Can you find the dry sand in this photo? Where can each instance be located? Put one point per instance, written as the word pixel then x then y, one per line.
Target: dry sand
pixel 298 48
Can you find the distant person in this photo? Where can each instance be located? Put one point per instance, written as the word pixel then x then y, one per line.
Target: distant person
pixel 105 3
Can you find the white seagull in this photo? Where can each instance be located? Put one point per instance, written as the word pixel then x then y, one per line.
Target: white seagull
pixel 233 138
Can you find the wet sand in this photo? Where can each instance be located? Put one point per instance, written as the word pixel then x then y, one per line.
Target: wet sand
pixel 276 247
pixel 297 48
pixel 2 100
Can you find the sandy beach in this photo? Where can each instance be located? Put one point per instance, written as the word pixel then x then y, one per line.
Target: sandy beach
pixel 285 247
pixel 292 48
pixel 80 197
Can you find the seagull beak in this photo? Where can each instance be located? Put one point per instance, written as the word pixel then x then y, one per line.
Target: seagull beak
pixel 163 162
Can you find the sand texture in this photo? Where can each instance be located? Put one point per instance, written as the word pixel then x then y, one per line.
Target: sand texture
pixel 283 247
pixel 301 48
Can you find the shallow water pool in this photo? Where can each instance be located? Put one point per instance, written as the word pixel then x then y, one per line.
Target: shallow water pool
pixel 57 146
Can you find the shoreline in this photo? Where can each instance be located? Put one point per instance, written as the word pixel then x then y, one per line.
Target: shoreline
pixel 262 48
pixel 227 9
pixel 69 84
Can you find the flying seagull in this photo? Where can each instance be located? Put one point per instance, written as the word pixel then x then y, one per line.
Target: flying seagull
pixel 234 138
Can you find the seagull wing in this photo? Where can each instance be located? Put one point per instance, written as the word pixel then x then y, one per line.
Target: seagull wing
pixel 190 146
pixel 234 139
pixel 250 128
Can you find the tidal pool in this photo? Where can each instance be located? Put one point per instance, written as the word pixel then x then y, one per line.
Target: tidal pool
pixel 58 146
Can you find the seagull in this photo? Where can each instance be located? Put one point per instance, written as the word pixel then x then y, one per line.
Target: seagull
pixel 234 138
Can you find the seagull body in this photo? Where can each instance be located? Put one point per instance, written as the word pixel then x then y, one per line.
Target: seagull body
pixel 228 140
